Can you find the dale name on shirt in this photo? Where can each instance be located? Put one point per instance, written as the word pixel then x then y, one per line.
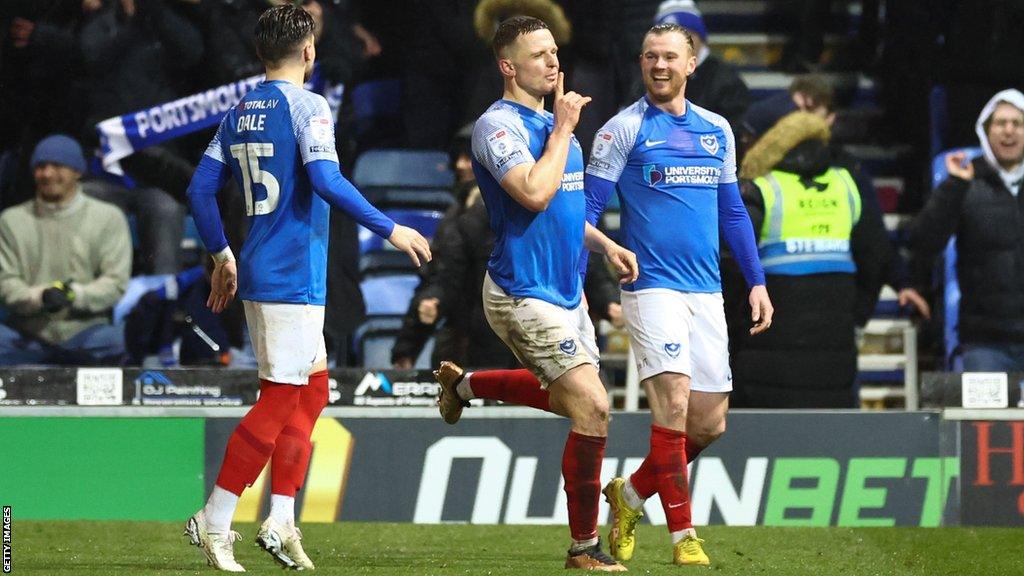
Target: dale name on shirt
pixel 254 122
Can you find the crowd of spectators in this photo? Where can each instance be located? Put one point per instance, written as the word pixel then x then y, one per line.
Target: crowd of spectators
pixel 66 65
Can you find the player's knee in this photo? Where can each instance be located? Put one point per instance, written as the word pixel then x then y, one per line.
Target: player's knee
pixel 593 409
pixel 675 407
pixel 707 432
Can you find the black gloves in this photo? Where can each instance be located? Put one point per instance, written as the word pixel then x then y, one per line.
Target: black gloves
pixel 58 297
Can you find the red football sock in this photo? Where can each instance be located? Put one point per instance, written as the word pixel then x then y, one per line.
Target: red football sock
pixel 581 468
pixel 513 386
pixel 291 454
pixel 664 472
pixel 645 479
pixel 252 442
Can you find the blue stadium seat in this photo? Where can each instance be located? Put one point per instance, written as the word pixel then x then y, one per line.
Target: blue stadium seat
pixel 403 169
pixel 388 295
pixel 426 199
pixel 938 114
pixel 951 288
pixel 135 290
pixel 385 262
pixel 423 221
pixel 375 339
pixel 377 111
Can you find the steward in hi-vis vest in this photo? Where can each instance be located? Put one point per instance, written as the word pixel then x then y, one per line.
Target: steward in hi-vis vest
pixel 807 223
pixel 825 254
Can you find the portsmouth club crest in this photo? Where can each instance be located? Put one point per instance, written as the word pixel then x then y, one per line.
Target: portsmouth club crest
pixel 651 174
pixel 709 142
pixel 672 349
pixel 568 346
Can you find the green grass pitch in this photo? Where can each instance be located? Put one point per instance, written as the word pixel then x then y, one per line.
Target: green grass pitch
pixel 91 548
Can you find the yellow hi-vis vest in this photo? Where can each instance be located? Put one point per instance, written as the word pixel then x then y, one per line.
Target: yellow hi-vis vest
pixel 807 230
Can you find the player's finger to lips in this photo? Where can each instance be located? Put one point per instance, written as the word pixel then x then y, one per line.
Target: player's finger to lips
pixel 560 85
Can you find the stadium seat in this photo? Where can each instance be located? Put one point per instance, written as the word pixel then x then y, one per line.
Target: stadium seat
pixel 425 199
pixel 938 114
pixel 423 221
pixel 385 262
pixel 388 295
pixel 375 339
pixel 377 110
pixel 136 288
pixel 402 169
pixel 377 98
pixel 951 288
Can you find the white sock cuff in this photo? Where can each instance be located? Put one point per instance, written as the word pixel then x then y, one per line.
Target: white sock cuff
pixel 578 545
pixel 219 510
pixel 679 535
pixel 282 509
pixel 633 500
pixel 463 388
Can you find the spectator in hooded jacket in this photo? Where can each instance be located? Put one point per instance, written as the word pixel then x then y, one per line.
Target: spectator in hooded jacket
pixel 981 204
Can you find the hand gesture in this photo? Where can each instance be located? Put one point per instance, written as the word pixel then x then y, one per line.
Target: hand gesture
pixel 427 310
pixel 411 242
pixel 223 285
pixel 615 315
pixel 567 107
pixel 911 297
pixel 761 309
pixel 624 263
pixel 958 165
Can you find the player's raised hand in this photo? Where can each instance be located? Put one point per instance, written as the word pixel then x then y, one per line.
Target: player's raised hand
pixel 411 242
pixel 761 309
pixel 567 106
pixel 223 285
pixel 624 262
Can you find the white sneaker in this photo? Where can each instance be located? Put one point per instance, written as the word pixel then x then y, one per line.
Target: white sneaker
pixel 284 544
pixel 218 548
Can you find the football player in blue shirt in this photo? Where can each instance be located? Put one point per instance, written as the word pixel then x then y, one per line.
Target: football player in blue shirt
pixel 529 167
pixel 278 144
pixel 673 165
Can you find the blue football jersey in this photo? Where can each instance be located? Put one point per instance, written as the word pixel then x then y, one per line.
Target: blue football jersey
pixel 667 169
pixel 266 140
pixel 536 254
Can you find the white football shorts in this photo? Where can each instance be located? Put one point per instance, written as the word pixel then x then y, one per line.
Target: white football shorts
pixel 683 332
pixel 549 340
pixel 288 339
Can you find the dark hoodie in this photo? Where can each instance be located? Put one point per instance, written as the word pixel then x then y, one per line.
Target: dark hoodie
pixel 808 359
pixel 987 218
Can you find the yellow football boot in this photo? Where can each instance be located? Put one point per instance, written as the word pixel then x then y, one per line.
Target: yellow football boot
pixel 688 552
pixel 622 536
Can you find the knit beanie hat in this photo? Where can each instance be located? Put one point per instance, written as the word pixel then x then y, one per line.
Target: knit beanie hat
pixel 685 13
pixel 59 149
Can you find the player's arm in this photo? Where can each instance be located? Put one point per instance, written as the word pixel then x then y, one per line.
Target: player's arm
pixel 623 260
pixel 209 177
pixel 336 190
pixel 533 185
pixel 598 190
pixel 313 125
pixel 739 235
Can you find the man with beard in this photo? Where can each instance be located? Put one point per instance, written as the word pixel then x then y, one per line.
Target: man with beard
pixel 673 165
